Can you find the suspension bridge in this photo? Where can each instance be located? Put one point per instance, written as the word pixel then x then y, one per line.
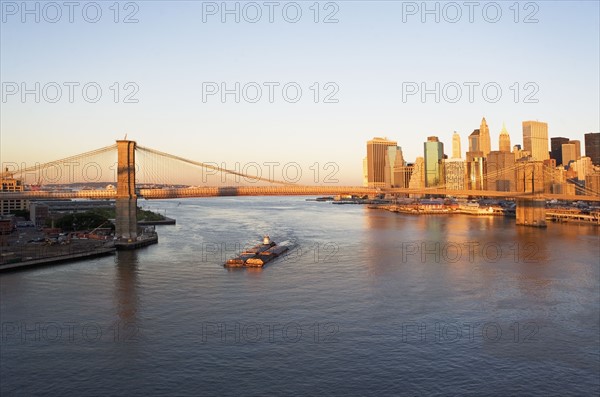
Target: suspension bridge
pixel 139 170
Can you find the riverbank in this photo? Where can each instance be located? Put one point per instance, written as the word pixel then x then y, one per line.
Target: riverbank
pixel 17 263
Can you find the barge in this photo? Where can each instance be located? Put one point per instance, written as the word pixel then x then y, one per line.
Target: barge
pixel 259 255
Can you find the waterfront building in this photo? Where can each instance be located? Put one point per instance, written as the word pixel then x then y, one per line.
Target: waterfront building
pixel 11 184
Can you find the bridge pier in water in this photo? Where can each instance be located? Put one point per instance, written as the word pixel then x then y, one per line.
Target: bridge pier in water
pixel 531 212
pixel 126 200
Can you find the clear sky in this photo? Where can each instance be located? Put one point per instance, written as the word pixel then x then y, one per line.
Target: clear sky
pixel 372 55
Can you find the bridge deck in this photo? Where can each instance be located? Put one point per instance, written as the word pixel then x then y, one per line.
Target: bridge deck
pixel 279 191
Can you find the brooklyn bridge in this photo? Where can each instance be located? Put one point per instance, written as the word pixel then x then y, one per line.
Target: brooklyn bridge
pixel 161 168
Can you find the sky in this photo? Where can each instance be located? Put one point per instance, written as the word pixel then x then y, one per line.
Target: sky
pixel 352 70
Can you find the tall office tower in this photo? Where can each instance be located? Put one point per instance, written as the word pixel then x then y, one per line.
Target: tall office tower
pixel 403 174
pixel 583 167
pixel 569 153
pixel 485 144
pixel 417 178
pixel 592 147
pixel 504 140
pixel 376 155
pixel 556 149
pixel 394 154
pixel 475 171
pixel 397 177
pixel 365 172
pixel 434 154
pixel 535 139
pixel 474 142
pixel 500 171
pixel 577 148
pixel 454 171
pixel 456 146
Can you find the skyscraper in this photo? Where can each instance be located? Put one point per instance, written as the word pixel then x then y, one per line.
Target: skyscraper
pixel 556 148
pixel 365 173
pixel 456 146
pixel 504 140
pixel 577 148
pixel 535 139
pixel 592 147
pixel 569 153
pixel 474 142
pixel 394 157
pixel 484 138
pixel 417 178
pixel 434 154
pixel 475 170
pixel 376 160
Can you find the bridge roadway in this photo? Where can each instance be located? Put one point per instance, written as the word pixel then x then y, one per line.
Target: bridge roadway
pixel 190 192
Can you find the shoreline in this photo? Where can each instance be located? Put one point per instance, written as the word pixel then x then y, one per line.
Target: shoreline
pixel 57 259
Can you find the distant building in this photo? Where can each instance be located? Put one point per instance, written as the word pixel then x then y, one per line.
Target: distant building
pixel 456 153
pixel 504 140
pixel 485 144
pixel 556 149
pixel 365 172
pixel 519 153
pixel 592 147
pixel 474 142
pixel 454 171
pixel 434 154
pixel 394 157
pixel 403 174
pixel 10 184
pixel 535 139
pixel 376 159
pixel 475 171
pixel 577 148
pixel 569 153
pixel 417 179
pixel 500 171
pixel 583 167
pixel 39 213
pixel 592 182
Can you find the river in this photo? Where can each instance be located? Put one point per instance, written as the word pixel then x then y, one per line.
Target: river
pixel 369 302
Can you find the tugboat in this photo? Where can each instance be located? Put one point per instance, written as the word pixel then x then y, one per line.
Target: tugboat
pixel 259 255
